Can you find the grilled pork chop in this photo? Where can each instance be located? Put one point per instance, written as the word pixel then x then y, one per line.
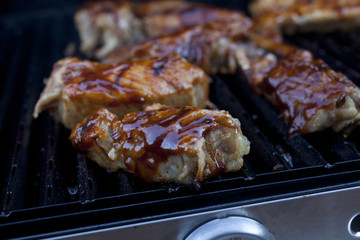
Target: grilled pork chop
pixel 185 16
pixel 310 95
pixel 103 26
pixel 151 8
pixel 304 15
pixel 77 88
pixel 185 144
pixel 106 25
pixel 209 46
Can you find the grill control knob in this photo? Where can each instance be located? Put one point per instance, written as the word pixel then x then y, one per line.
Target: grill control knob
pixel 234 228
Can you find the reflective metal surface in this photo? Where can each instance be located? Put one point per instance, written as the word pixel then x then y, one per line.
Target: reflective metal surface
pixel 354 226
pixel 231 228
pixel 324 215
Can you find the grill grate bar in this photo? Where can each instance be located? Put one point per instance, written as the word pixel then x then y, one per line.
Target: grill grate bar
pixel 343 46
pixel 337 60
pixel 294 149
pixel 46 166
pixel 11 186
pixel 262 151
pixel 10 83
pixel 334 147
pixel 6 57
pixel 57 164
pixel 50 184
pixel 15 96
pixel 121 182
pixel 52 189
pixel 85 180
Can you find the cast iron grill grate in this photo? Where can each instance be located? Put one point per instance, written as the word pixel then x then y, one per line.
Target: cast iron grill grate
pixel 44 182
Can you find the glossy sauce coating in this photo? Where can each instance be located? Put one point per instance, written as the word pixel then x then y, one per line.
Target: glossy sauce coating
pixel 184 17
pixel 302 86
pixel 148 138
pixel 300 7
pixel 134 82
pixel 195 44
pixel 304 15
pixel 149 8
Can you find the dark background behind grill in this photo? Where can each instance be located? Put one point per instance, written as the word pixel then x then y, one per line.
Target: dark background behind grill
pixel 46 187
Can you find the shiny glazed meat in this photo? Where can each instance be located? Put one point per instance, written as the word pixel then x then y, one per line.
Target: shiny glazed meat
pixel 185 145
pixel 77 88
pixel 185 16
pixel 312 96
pixel 107 25
pixel 209 46
pixel 293 16
pixel 103 26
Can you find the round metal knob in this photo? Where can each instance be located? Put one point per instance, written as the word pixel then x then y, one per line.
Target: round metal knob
pixel 231 228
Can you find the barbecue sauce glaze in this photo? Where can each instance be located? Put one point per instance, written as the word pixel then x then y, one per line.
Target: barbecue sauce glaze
pixel 300 86
pixel 148 138
pixel 198 44
pixel 134 82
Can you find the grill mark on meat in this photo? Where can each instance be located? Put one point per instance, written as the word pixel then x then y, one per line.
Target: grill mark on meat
pixel 341 101
pixel 82 86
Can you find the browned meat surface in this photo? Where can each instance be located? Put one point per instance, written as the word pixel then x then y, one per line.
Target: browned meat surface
pixel 304 16
pixel 106 25
pixel 309 94
pixel 255 62
pixel 185 145
pixel 150 8
pixel 210 46
pixel 77 88
pixel 187 16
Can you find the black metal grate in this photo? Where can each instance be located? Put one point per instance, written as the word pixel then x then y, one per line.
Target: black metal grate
pixel 47 188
